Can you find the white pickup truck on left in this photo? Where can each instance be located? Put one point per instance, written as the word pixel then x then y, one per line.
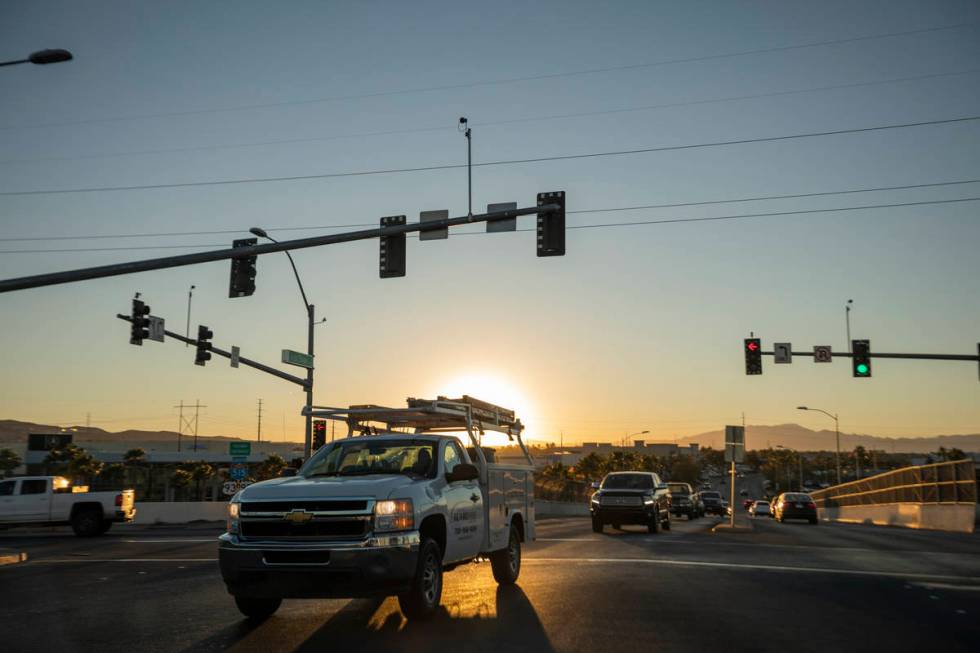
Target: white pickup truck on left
pixel 52 501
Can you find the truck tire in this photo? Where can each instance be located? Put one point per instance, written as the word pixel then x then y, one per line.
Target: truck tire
pixel 596 525
pixel 87 523
pixel 422 598
pixel 257 609
pixel 654 525
pixel 105 526
pixel 506 564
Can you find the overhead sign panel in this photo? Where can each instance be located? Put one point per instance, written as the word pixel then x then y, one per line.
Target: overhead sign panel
pixel 782 352
pixel 434 216
pixel 505 224
pixel 156 328
pixel 734 444
pixel 239 448
pixel 297 358
pixel 822 354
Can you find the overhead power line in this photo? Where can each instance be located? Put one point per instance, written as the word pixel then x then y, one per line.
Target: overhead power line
pixel 499 81
pixel 489 123
pixel 601 225
pixel 758 198
pixel 454 166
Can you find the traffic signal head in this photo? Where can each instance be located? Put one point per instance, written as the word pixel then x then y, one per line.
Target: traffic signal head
pixel 203 354
pixel 319 433
pixel 861 358
pixel 242 282
pixel 551 225
pixel 139 327
pixel 392 259
pixel 753 356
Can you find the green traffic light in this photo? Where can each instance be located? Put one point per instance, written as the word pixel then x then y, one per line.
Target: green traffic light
pixel 862 368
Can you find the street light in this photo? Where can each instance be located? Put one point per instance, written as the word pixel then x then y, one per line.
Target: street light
pixel 836 430
pixel 308 439
pixel 42 57
pixel 632 434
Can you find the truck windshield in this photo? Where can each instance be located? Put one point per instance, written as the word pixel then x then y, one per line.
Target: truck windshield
pixel 676 489
pixel 357 458
pixel 628 482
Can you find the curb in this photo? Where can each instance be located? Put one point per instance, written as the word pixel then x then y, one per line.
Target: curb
pixel 725 527
pixel 8 557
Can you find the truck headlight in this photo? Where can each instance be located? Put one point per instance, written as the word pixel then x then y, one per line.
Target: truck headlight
pixel 648 499
pixel 394 515
pixel 233 510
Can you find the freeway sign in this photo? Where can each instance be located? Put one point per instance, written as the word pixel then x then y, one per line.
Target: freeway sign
pixel 238 472
pixel 297 358
pixel 239 448
pixel 230 487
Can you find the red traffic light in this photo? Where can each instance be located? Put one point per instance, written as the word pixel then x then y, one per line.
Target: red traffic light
pixel 752 345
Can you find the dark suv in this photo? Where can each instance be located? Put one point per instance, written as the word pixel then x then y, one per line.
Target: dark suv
pixel 713 503
pixel 631 498
pixel 684 501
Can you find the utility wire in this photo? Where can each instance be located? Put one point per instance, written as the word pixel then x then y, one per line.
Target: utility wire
pixel 489 123
pixel 454 166
pixel 602 225
pixel 500 81
pixel 607 210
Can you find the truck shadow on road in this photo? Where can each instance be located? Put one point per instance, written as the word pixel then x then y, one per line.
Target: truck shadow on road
pixel 376 625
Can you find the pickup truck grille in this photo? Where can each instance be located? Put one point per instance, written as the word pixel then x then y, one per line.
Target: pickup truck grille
pixel 335 505
pixel 280 528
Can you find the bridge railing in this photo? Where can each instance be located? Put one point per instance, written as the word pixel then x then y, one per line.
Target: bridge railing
pixel 952 482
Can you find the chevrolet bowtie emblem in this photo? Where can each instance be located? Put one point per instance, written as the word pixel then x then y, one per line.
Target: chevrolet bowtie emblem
pixel 299 516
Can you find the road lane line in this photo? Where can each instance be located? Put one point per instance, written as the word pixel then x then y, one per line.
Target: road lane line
pixel 84 560
pixel 949 586
pixel 751 567
pixel 210 539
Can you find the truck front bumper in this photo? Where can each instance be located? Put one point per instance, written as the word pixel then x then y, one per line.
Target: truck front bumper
pixel 381 565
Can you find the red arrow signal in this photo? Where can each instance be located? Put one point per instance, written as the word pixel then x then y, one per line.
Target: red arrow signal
pixel 752 346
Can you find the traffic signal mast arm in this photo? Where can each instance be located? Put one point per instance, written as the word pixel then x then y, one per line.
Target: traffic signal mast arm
pixel 241 359
pixel 874 354
pixel 68 276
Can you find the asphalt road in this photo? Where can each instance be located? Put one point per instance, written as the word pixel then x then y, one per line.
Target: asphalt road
pixel 782 587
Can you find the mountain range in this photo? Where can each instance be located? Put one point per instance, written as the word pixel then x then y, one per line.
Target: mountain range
pixel 792 436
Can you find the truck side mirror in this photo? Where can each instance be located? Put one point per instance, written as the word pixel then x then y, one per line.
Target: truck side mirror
pixel 594 485
pixel 463 472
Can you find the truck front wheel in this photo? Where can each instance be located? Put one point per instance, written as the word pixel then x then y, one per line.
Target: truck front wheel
pixel 422 599
pixel 86 523
pixel 506 564
pixel 257 609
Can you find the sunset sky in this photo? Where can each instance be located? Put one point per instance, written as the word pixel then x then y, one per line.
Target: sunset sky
pixel 636 328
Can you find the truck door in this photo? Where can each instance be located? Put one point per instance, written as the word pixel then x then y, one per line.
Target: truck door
pixel 7 500
pixel 464 502
pixel 33 502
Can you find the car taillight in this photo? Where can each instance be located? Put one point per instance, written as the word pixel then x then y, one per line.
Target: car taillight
pixel 811 506
pixel 118 500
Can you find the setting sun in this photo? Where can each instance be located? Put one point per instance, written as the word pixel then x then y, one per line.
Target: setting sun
pixel 496 390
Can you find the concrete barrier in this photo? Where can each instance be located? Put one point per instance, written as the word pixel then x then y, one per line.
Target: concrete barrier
pixel 179 512
pixel 560 509
pixel 956 517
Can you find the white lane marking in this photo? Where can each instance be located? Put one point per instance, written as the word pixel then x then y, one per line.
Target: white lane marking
pixel 80 561
pixel 750 567
pixel 210 539
pixel 949 586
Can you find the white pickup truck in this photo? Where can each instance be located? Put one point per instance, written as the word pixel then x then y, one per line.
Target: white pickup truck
pixel 383 513
pixel 52 501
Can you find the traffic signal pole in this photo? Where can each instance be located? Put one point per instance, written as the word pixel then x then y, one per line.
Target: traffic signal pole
pixel 70 276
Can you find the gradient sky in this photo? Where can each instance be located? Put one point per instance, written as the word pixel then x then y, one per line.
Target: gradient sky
pixel 636 328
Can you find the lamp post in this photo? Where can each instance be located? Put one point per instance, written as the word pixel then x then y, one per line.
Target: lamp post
pixel 632 434
pixel 42 57
pixel 836 430
pixel 308 438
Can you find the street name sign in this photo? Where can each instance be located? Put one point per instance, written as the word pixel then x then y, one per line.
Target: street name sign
pixel 821 354
pixel 297 358
pixel 239 448
pixel 156 328
pixel 782 352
